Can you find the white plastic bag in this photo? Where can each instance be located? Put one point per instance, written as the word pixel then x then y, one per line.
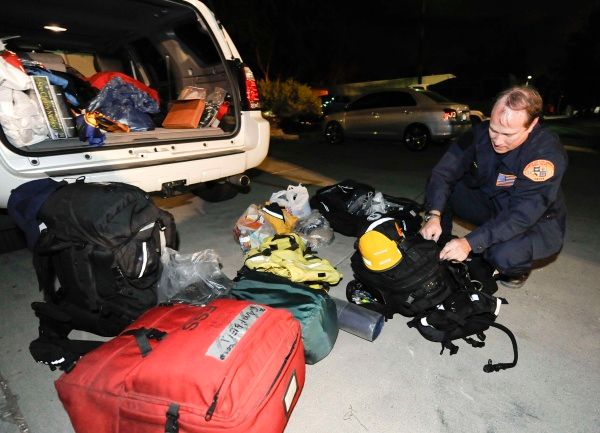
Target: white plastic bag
pixel 20 114
pixel 12 74
pixel 21 118
pixel 294 199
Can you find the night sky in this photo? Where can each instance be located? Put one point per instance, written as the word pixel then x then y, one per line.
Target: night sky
pixel 328 42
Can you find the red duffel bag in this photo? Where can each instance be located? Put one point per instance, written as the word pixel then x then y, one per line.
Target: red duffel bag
pixel 230 366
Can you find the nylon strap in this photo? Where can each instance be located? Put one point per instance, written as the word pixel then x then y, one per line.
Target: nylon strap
pixel 143 336
pixel 293 244
pixel 490 367
pixel 172 423
pixel 447 344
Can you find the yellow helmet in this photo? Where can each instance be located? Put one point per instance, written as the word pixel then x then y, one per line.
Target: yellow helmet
pixel 378 246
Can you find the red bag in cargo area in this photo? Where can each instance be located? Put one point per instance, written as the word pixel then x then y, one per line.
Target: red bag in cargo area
pixel 230 366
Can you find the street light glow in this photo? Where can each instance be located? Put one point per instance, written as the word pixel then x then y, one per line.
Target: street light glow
pixel 55 28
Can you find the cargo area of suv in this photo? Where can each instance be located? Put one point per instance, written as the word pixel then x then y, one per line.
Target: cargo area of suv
pixel 124 87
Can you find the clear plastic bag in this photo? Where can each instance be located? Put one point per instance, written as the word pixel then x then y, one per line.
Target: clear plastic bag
pixel 251 229
pixel 360 203
pixel 192 92
pixel 379 205
pixel 314 230
pixel 213 102
pixel 125 103
pixel 192 278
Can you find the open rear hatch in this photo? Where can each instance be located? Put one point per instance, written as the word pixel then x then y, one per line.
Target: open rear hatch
pixel 112 73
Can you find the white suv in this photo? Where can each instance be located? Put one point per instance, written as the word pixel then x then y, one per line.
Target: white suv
pixel 168 46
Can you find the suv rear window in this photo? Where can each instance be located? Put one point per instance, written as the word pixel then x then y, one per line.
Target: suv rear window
pixel 199 41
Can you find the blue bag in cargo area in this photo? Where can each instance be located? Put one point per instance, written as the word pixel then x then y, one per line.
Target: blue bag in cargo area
pixel 313 308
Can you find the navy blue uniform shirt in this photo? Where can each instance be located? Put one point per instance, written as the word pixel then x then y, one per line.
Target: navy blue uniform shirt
pixel 523 186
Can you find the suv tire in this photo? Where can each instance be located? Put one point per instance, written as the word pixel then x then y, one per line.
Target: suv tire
pixel 12 237
pixel 214 192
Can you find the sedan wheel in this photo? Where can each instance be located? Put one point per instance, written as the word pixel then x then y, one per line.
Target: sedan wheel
pixel 416 138
pixel 334 134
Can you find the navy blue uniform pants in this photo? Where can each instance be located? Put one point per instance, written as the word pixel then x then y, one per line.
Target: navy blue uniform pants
pixel 513 257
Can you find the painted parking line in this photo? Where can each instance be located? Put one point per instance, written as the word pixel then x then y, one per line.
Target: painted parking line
pixel 294 172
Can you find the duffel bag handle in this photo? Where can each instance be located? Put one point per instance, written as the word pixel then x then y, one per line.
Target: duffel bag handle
pixel 143 336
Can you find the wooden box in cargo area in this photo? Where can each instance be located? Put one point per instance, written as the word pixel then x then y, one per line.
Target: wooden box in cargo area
pixel 184 114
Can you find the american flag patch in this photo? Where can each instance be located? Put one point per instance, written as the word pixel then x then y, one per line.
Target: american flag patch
pixel 505 179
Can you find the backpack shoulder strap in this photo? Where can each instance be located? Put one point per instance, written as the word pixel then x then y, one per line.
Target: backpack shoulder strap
pixel 274 245
pixel 43 251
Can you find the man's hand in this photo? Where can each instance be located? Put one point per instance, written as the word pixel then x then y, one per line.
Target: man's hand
pixel 456 249
pixel 432 229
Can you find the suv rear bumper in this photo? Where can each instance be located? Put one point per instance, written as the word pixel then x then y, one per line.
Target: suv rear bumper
pixel 147 168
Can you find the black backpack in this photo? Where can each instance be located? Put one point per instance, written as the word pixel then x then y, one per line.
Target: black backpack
pixel 465 313
pixel 102 243
pixel 417 283
pixel 345 205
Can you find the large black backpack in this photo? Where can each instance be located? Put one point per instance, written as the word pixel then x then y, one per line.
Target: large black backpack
pixel 97 263
pixel 345 205
pixel 417 283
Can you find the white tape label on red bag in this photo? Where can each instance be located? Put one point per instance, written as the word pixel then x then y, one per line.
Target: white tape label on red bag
pixel 234 332
pixel 290 393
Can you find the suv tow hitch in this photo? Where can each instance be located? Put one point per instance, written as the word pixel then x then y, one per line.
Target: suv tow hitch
pixel 172 188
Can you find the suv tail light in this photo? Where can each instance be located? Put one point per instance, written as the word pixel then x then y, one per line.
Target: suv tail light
pixel 449 114
pixel 252 97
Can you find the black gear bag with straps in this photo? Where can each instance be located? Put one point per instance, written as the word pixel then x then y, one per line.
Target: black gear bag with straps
pixel 97 263
pixel 465 313
pixel 417 283
pixel 346 206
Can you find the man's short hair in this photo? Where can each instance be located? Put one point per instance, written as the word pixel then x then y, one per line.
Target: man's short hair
pixel 522 98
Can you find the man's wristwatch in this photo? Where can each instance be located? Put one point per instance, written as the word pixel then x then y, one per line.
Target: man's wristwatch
pixel 429 215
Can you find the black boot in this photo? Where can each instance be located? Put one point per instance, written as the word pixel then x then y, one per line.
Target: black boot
pixel 512 281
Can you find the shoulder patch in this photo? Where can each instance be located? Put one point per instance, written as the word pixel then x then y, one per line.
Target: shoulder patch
pixel 539 170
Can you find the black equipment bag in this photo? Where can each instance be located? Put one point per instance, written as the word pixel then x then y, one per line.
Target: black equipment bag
pixel 346 206
pixel 341 204
pixel 97 262
pixel 417 283
pixel 404 210
pixel 463 314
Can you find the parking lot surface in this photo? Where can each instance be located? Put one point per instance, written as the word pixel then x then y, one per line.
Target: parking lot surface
pixel 399 382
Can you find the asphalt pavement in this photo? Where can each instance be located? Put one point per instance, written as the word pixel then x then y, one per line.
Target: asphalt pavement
pixel 399 382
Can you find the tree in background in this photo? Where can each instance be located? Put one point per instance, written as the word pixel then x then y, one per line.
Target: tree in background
pixel 288 101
